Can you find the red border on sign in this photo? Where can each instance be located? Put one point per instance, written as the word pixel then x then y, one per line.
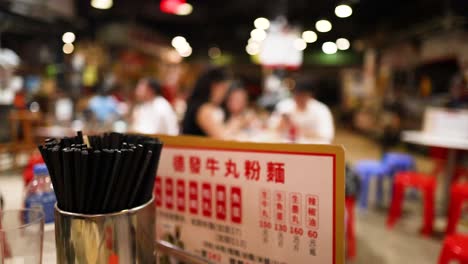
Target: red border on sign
pixel 290 153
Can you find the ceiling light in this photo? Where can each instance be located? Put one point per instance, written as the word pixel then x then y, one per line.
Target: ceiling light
pixel 184 9
pixel 102 4
pixel 178 41
pixel 309 36
pixel 329 47
pixel 323 25
pixel 253 49
pixel 251 40
pixel 68 37
pixel 68 48
pixel 258 34
pixel 343 11
pixel 342 44
pixel 185 51
pixel 300 44
pixel 262 23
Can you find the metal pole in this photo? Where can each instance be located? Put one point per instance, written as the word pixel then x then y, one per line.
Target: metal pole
pixel 178 253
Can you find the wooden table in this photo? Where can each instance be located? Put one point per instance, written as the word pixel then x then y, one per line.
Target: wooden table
pixel 271 136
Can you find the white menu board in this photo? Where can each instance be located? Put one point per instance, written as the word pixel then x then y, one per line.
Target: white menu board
pixel 248 203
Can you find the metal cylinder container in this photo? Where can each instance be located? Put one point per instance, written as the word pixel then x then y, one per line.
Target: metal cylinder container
pixel 123 237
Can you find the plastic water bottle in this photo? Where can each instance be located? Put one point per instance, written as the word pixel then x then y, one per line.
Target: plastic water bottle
pixel 40 193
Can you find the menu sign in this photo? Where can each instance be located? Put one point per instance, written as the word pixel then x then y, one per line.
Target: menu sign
pixel 232 202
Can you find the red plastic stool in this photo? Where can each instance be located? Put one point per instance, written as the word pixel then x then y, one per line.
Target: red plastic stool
pixel 426 184
pixel 350 233
pixel 455 247
pixel 458 195
pixel 460 173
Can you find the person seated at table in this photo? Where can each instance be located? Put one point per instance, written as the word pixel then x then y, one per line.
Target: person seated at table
pixel 237 100
pixel 153 114
pixel 302 116
pixel 104 106
pixel 204 115
pixel 237 109
pixel 456 99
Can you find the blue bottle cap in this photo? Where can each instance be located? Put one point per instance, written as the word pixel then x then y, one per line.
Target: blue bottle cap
pixel 40 169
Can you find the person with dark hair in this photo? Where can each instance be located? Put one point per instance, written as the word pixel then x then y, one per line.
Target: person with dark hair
pixel 304 117
pixel 153 114
pixel 204 115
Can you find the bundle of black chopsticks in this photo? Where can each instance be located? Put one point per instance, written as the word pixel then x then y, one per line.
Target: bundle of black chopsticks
pixel 102 174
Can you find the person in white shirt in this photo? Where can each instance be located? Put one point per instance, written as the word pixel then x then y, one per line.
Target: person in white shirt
pixel 303 117
pixel 153 114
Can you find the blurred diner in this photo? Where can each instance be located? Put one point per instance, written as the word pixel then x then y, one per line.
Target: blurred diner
pixel 303 116
pixel 104 107
pixel 204 115
pixel 152 113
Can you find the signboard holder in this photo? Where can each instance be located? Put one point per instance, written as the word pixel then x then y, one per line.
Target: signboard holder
pixel 179 150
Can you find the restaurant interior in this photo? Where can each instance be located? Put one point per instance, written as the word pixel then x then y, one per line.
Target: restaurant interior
pixel 387 80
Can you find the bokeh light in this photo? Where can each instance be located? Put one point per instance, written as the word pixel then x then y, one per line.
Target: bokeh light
pixel 178 41
pixel 68 37
pixel 329 48
pixel 68 48
pixel 323 25
pixel 253 48
pixel 258 34
pixel 343 11
pixel 184 9
pixel 309 36
pixel 262 23
pixel 102 4
pixel 342 44
pixel 214 52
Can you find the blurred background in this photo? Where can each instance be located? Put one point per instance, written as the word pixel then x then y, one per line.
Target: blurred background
pixel 387 79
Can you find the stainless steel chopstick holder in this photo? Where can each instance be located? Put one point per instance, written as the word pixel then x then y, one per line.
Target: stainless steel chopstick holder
pixel 124 237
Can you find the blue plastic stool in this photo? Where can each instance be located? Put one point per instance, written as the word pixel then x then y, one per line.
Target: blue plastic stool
pixel 398 162
pixel 367 169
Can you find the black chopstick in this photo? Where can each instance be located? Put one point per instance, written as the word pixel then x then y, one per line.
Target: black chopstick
pixel 83 180
pixel 99 174
pixel 77 178
pixel 104 179
pixel 92 187
pixel 141 175
pixel 119 201
pixel 132 179
pixel 58 184
pixel 68 178
pixel 110 193
pixel 150 174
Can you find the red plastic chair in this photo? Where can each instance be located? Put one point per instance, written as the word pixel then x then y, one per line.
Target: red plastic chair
pixel 424 183
pixel 455 247
pixel 458 195
pixel 350 203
